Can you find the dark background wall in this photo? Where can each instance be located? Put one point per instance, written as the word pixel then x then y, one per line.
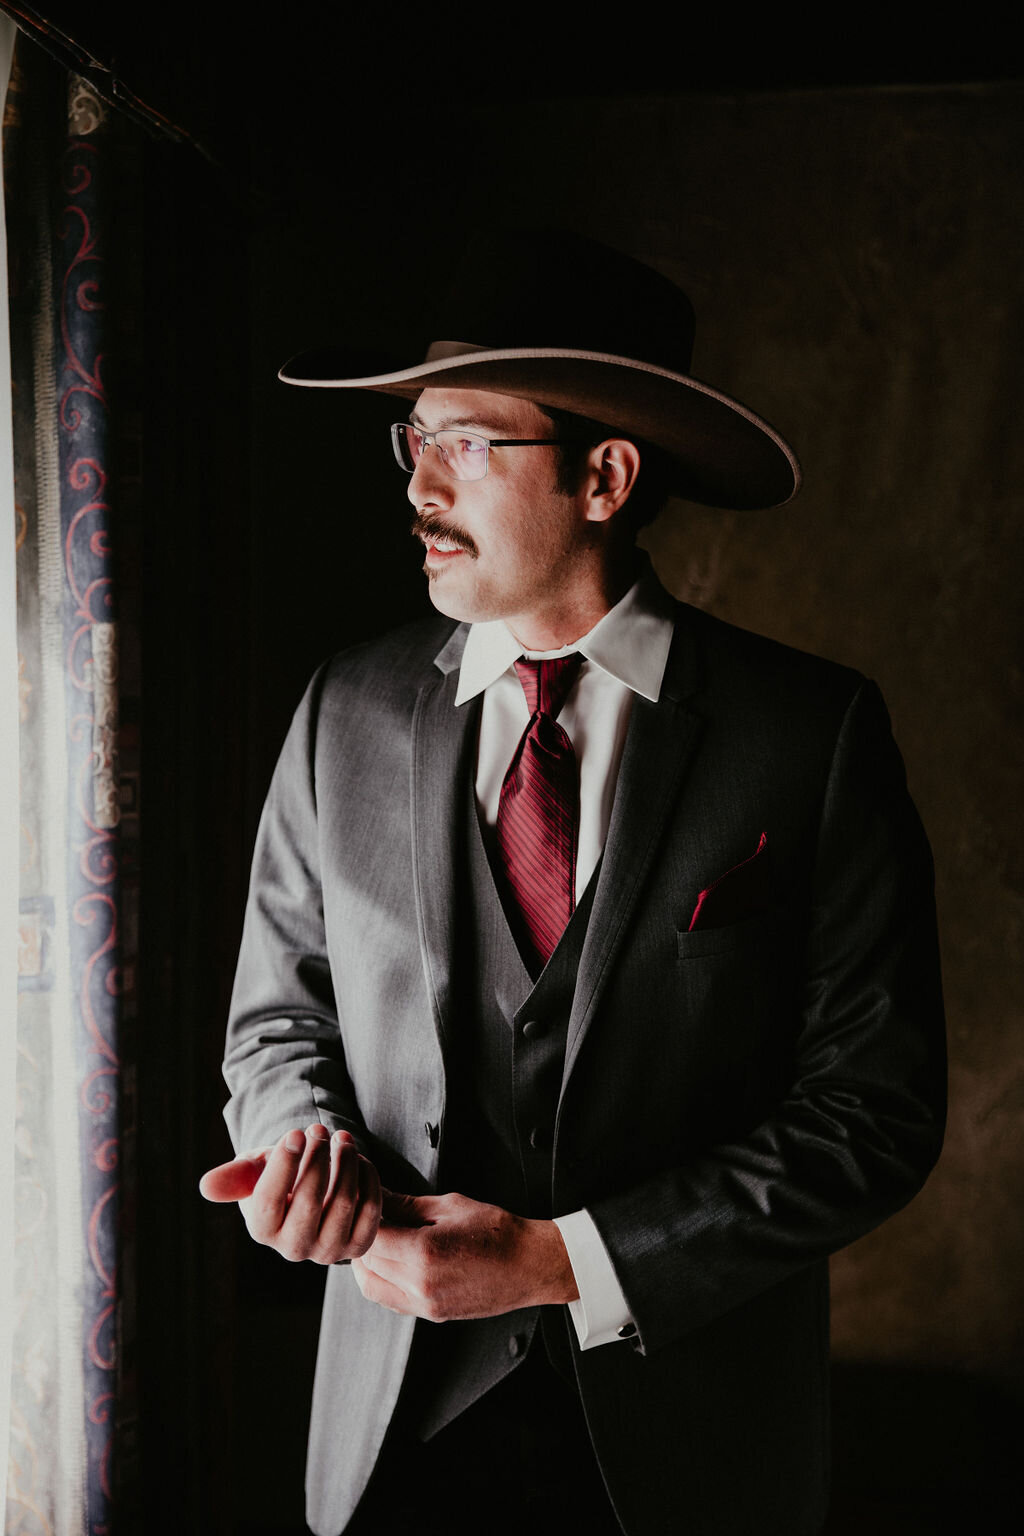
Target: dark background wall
pixel 852 247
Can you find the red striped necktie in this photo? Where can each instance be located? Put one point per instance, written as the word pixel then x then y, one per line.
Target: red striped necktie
pixel 538 811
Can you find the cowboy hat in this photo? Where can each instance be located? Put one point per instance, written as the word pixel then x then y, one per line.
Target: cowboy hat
pixel 575 326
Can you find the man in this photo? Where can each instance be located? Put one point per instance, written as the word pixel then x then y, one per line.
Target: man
pixel 588 996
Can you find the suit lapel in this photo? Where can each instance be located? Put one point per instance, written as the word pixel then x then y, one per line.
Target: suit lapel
pixel 442 741
pixel 660 744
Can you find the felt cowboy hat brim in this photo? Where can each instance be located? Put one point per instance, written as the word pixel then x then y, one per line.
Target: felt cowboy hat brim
pixel 725 454
pixel 579 327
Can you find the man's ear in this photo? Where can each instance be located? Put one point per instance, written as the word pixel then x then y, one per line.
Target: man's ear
pixel 612 470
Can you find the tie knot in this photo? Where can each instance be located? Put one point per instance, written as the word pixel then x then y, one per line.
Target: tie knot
pixel 547 683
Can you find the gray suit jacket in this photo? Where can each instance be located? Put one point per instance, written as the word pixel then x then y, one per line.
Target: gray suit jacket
pixel 738 1101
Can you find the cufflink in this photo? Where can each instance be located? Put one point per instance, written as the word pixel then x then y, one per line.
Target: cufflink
pixel 627 1331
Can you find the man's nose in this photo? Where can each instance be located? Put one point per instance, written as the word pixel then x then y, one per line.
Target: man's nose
pixel 430 484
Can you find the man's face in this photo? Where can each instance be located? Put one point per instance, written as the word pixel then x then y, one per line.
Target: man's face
pixel 508 546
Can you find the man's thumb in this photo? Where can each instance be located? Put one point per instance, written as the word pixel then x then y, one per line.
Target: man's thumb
pixel 232 1181
pixel 401 1210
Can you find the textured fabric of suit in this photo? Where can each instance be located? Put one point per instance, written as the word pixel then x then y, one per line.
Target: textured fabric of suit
pixel 736 1102
pixel 502 1099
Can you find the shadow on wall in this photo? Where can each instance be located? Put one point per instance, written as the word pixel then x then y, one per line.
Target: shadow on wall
pixel 923 1453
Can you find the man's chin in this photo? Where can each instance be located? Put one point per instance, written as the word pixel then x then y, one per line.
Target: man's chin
pixel 444 594
pixel 451 597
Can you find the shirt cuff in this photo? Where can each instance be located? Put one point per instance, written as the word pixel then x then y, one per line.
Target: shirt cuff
pixel 601 1315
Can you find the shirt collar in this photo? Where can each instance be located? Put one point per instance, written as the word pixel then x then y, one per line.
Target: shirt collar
pixel 631 643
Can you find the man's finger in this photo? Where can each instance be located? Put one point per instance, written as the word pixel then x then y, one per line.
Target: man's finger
pixel 393 1267
pixel 339 1201
pixel 351 1212
pixel 367 1222
pixel 343 1182
pixel 302 1222
pixel 269 1203
pixel 382 1292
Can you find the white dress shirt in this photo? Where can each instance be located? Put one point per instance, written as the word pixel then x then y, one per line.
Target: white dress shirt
pixel 624 654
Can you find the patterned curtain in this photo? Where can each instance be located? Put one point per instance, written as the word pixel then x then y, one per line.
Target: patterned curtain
pixel 8 808
pixel 73 959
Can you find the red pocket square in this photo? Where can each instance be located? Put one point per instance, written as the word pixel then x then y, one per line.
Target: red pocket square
pixel 741 892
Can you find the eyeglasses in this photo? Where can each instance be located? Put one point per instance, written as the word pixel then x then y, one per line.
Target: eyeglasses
pixel 463 454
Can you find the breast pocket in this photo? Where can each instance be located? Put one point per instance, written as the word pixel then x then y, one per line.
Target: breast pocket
pixel 738 986
pixel 754 934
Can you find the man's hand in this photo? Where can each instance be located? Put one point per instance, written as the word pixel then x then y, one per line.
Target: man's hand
pixel 444 1256
pixel 312 1196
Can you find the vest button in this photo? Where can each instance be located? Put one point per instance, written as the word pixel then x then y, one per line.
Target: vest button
pixel 515 1346
pixel 432 1132
pixel 540 1140
pixel 534 1028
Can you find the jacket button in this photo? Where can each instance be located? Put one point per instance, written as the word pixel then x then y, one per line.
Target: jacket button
pixel 534 1028
pixel 540 1140
pixel 432 1133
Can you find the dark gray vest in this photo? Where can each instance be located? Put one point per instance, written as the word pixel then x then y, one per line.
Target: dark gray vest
pixel 505 1073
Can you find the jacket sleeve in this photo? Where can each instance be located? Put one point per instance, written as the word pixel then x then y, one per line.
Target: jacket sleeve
pixel 860 1125
pixel 284 1062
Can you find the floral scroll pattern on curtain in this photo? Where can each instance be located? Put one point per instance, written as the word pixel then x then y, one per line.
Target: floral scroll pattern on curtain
pixel 72 996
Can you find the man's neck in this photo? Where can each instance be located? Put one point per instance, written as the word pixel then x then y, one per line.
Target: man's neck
pixel 557 630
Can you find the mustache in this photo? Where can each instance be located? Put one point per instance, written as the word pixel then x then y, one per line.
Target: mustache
pixel 425 528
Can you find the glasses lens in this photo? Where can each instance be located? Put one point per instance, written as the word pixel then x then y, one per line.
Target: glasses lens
pixel 464 453
pixel 408 445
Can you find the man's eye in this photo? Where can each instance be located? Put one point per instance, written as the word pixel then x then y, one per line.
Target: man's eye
pixel 471 445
